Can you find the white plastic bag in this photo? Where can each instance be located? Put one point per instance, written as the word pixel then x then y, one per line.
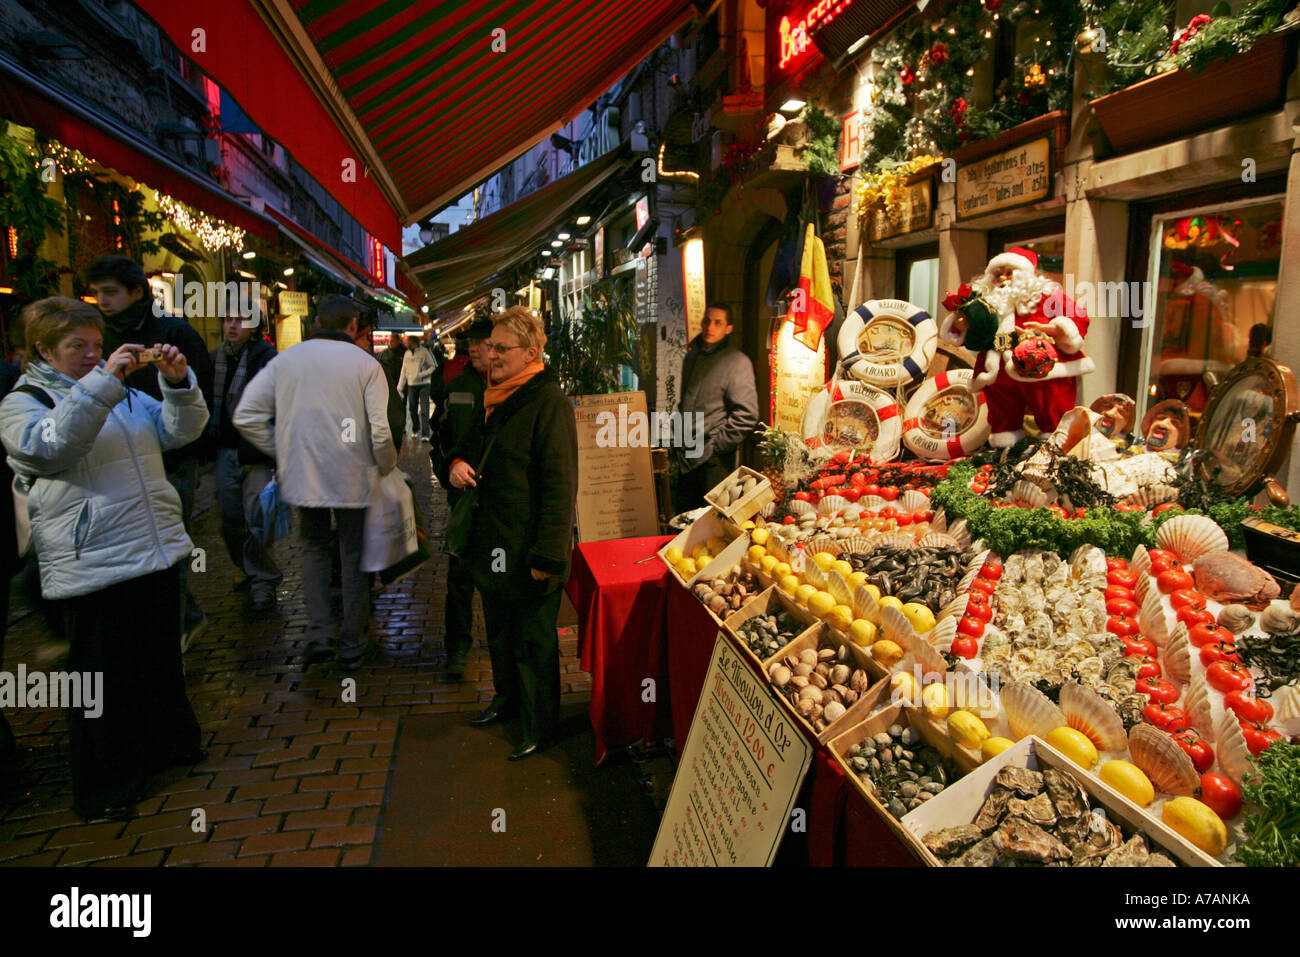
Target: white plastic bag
pixel 388 535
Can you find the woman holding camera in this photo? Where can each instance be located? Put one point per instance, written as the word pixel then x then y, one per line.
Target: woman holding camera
pixel 106 527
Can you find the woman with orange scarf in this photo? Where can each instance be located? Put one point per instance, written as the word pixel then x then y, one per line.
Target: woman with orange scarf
pixel 523 524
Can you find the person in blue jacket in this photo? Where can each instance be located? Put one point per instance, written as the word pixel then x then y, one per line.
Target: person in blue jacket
pixel 107 530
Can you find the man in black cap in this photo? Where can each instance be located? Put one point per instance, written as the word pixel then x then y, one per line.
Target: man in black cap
pixel 460 414
pixel 121 291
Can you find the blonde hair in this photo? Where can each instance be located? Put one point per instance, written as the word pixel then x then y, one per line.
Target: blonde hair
pixel 47 321
pixel 521 321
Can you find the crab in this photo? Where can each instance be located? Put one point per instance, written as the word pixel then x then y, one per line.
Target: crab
pixel 1229 578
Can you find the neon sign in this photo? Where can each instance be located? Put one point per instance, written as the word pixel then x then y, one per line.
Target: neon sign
pixel 796 34
pixel 377 258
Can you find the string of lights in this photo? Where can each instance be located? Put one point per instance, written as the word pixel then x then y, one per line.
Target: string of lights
pixel 214 234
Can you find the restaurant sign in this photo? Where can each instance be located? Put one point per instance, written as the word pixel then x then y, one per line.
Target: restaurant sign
pixel 1014 177
pixel 915 212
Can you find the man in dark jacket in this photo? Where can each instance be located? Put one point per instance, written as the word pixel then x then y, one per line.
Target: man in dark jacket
pixel 458 416
pixel 391 362
pixel 522 535
pixel 121 291
pixel 719 401
pixel 243 470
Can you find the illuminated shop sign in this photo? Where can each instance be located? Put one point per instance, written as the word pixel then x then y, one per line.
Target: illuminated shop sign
pixel 794 33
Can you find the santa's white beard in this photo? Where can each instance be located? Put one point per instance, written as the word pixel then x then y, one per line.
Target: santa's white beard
pixel 1021 296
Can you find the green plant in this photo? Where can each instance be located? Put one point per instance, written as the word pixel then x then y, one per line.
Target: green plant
pixel 25 207
pixel 822 154
pixel 1274 823
pixel 588 348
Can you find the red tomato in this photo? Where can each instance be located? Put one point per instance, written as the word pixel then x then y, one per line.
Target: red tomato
pixel 904 518
pixel 1194 745
pixel 1187 598
pixel 1247 707
pixel 979 488
pixel 1126 507
pixel 984 585
pixel 803 496
pixel 1136 646
pixel 1166 717
pixel 1202 634
pixel 1122 625
pixel 1164 507
pixel 1121 606
pixel 858 480
pixel 1149 668
pixel 788 520
pixel 871 489
pixel 1059 511
pixel 1228 676
pixel 1119 591
pixel 889 492
pixel 888 512
pixel 1116 564
pixel 1161 565
pixel 1158 690
pixel 1162 554
pixel 1193 616
pixel 964 646
pixel 1220 651
pixel 970 626
pixel 991 572
pixel 1221 795
pixel 1122 577
pixel 852 494
pixel 1258 736
pixel 870 513
pixel 980 610
pixel 1173 580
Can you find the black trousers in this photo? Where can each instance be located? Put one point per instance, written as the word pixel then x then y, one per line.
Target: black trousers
pixel 130 633
pixel 692 485
pixel 459 614
pixel 525 652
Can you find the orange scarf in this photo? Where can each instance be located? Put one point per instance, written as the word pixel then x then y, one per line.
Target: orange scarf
pixel 494 395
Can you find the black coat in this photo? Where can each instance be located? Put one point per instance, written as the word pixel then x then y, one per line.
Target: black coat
pixel 457 417
pixel 224 434
pixel 528 488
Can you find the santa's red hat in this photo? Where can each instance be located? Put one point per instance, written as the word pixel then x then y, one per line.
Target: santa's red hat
pixel 1017 258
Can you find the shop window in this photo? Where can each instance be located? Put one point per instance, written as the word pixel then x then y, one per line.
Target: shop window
pixel 1050 249
pixel 916 275
pixel 1214 273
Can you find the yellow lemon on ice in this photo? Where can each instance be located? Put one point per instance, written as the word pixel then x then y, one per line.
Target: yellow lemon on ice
pixel 699 550
pixel 921 617
pixel 843 567
pixel 804 592
pixel 781 569
pixel 688 568
pixel 746 525
pixel 858 578
pixel 768 563
pixel 887 652
pixel 875 591
pixel 674 555
pixel 757 553
pixel 902 688
pixel 889 601
pixel 1075 745
pixel 840 617
pixel 821 604
pixel 992 747
pixel 789 584
pixel 759 536
pixel 862 632
pixel 823 560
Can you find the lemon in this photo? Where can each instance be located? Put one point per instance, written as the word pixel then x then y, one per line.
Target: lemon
pixel 857 578
pixel 875 591
pixel 862 632
pixel 703 560
pixel 746 525
pixel 674 555
pixel 716 545
pixel 992 747
pixel 804 592
pixel 688 568
pixel 821 603
pixel 699 550
pixel 887 652
pixel 1129 780
pixel 823 560
pixel 902 688
pixel 1196 822
pixel 934 698
pixel 889 601
pixel 768 563
pixel 1074 745
pixel 843 567
pixel 756 553
pixel 840 618
pixel 789 584
pixel 921 617
pixel 759 536
pixel 781 569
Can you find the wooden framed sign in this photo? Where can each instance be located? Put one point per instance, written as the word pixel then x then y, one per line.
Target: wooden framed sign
pixel 616 491
pixel 1014 177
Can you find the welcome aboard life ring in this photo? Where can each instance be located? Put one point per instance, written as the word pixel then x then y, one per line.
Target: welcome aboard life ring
pixel 853 415
pixel 888 343
pixel 943 420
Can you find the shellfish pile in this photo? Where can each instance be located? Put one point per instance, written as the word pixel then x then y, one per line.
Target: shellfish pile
pixel 722 596
pixel 928 574
pixel 768 634
pixel 820 683
pixel 899 769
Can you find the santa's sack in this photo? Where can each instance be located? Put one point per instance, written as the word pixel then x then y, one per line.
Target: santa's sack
pixel 389 532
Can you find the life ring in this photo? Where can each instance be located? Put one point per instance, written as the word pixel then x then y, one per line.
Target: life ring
pixel 888 343
pixel 848 414
pixel 943 420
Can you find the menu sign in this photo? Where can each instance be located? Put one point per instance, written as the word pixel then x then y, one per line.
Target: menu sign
pixel 739 775
pixel 798 373
pixel 616 492
pixel 916 212
pixel 1011 178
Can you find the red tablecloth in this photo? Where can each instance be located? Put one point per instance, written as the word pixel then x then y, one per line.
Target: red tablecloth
pixel 691 634
pixel 620 609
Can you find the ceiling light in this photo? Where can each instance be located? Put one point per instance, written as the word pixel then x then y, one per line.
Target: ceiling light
pixel 583 220
pixel 169 275
pixel 792 105
pixel 563 235
pixel 245 273
pixel 250 255
pixel 289 271
pixel 556 243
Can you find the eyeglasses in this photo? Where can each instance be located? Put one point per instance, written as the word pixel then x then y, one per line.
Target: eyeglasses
pixel 499 350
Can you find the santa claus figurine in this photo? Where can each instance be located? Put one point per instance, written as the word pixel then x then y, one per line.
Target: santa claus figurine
pixel 1028 340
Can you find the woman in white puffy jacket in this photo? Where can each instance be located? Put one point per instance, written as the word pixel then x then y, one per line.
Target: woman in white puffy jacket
pixel 107 531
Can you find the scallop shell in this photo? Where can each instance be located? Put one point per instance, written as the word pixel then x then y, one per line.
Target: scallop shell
pixel 864 605
pixel 1196 702
pixel 1029 711
pixel 1162 760
pixel 813 575
pixel 1151 618
pixel 1142 586
pixel 1027 493
pixel 1234 755
pixel 856 545
pixel 1088 560
pixel 1140 563
pixel 838 586
pixel 824 543
pixel 832 504
pixel 1152 495
pixel 940 521
pixel 913 501
pixel 1090 713
pixel 937 540
pixel 799 508
pixel 768 510
pixel 917 651
pixel 895 540
pixel 872 501
pixel 958 531
pixel 1286 703
pixel 787 533
pixel 1191 536
pixel 1236 618
pixel 1178 655
pixel 955 608
pixel 941 635
pixel 895 627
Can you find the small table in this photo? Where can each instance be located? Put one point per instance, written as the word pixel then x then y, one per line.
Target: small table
pixel 620 607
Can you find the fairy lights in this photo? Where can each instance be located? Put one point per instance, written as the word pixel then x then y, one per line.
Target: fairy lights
pixel 214 234
pixel 66 159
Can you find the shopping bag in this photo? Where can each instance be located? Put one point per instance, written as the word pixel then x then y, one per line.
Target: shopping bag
pixel 388 534
pixel 412 562
pixel 271 517
pixel 22 519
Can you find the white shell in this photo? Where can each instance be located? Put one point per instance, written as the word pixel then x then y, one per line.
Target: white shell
pixel 958 531
pixel 872 501
pixel 768 510
pixel 895 540
pixel 1178 655
pixel 895 627
pixel 864 605
pixel 1140 563
pixel 856 545
pixel 917 651
pixel 824 543
pixel 838 586
pixel 1029 711
pixel 942 634
pixel 940 521
pixel 1151 617
pixel 913 501
pixel 813 575
pixel 1191 536
pixel 1167 765
pixel 799 508
pixel 1088 560
pixel 1149 496
pixel 832 503
pixel 1233 754
pixel 1027 493
pixel 955 608
pixel 1286 703
pixel 1143 585
pixel 1197 705
pixel 1089 713
pixel 937 540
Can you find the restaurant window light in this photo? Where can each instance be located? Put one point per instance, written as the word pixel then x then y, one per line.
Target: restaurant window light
pixel 289 271
pixel 556 243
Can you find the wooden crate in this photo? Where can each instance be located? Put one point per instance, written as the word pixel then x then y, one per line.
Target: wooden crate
pixel 748 505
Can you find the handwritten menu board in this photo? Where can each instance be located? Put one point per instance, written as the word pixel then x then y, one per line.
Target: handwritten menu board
pixel 1011 178
pixel 739 775
pixel 616 491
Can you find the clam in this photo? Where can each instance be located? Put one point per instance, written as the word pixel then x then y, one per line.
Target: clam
pixel 1091 714
pixel 1191 536
pixel 808 657
pixel 1163 761
pixel 780 675
pixel 833 712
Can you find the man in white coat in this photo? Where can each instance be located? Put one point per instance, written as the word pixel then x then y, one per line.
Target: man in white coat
pixel 417 375
pixel 321 411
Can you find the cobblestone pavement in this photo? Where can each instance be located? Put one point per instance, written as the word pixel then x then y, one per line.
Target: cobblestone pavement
pixel 293 774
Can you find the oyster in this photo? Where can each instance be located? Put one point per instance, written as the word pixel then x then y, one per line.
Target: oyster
pixel 1024 841
pixel 1133 853
pixel 1024 781
pixel 993 809
pixel 983 854
pixel 1037 810
pixel 1068 797
pixel 952 840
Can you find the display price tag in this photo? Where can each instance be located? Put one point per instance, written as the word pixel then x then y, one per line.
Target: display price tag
pixel 739 775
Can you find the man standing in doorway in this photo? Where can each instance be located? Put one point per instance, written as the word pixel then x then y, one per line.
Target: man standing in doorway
pixel 417 373
pixel 121 291
pixel 321 411
pixel 717 385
